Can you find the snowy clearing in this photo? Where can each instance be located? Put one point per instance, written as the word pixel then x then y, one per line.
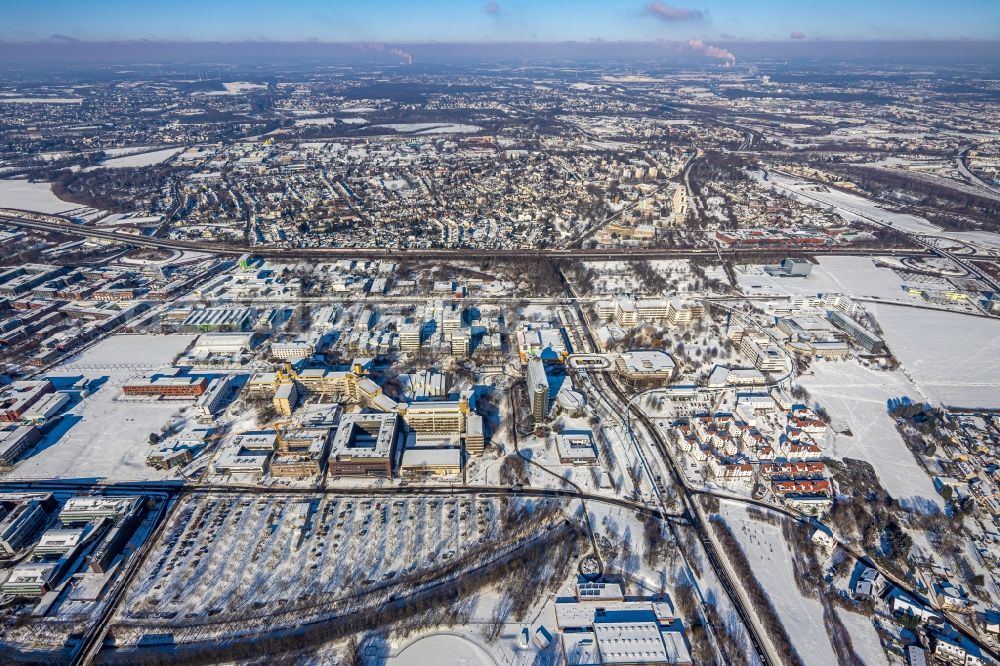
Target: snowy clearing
pixel 142 159
pixel 953 358
pixel 856 398
pixel 771 559
pixel 854 276
pixel 103 436
pixel 431 128
pixel 38 197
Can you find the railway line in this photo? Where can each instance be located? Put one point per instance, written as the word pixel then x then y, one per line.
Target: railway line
pixel 737 255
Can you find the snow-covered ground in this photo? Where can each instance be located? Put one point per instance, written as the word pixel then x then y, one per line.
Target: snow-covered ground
pixel 431 128
pixel 38 197
pixel 444 650
pixel 40 100
pixel 953 358
pixel 856 397
pixel 854 207
pixel 104 436
pixel 142 159
pixel 854 276
pixel 864 638
pixel 770 558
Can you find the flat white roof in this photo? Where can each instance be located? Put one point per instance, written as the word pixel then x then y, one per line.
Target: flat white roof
pixel 439 457
pixel 647 362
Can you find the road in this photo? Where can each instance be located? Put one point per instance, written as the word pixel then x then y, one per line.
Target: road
pixel 765 652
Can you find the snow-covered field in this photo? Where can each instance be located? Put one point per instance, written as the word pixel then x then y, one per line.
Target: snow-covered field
pixel 31 196
pixel 856 207
pixel 864 638
pixel 444 650
pixel 104 436
pixel 40 100
pixel 854 276
pixel 856 397
pixel 431 128
pixel 142 159
pixel 953 358
pixel 770 558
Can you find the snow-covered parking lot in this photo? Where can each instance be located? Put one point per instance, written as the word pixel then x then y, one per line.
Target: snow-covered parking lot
pixel 229 562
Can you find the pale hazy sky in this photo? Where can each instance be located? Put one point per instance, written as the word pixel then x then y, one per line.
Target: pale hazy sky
pixel 502 20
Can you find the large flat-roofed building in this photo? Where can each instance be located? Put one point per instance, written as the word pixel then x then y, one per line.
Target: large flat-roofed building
pixel 166 386
pixel 538 390
pixel 59 541
pixel 45 409
pixel 857 333
pixel 644 366
pixel 365 445
pixel 233 319
pixel 18 397
pixel 635 633
pixel 30 579
pixel 438 416
pixel 85 509
pixel 18 526
pixel 576 447
pixel 680 313
pixel 14 441
pixel 423 461
pixel 213 397
pixel 222 343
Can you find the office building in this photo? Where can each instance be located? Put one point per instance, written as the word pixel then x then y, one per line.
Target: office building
pixel 364 445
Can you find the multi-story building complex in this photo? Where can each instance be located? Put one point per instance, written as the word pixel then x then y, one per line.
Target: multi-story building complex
pixel 20 524
pixel 85 509
pixel 364 445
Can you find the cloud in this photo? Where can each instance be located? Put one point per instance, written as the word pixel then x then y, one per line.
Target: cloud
pixel 797 35
pixel 492 9
pixel 669 14
pixel 62 38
